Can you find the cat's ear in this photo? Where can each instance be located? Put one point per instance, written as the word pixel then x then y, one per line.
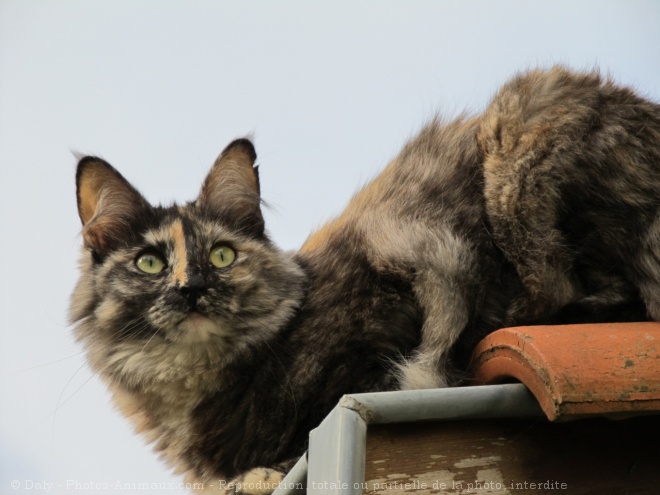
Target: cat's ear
pixel 107 204
pixel 231 190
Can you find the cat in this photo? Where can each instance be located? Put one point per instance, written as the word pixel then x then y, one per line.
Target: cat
pixel 226 351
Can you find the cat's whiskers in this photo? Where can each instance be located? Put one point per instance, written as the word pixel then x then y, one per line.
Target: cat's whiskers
pixel 37 366
pixel 136 325
pixel 123 332
pixel 61 403
pixel 156 332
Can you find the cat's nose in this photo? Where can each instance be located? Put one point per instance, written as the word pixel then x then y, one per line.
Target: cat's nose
pixel 193 289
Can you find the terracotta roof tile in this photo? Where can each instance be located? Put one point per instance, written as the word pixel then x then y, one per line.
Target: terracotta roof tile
pixel 608 369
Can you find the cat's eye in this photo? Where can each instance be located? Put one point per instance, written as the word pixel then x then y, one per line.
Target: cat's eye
pixel 222 256
pixel 150 263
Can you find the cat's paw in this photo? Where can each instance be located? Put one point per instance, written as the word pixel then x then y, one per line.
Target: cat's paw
pixel 257 481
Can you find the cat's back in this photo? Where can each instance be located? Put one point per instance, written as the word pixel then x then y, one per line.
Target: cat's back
pixel 575 138
pixel 434 180
pixel 582 114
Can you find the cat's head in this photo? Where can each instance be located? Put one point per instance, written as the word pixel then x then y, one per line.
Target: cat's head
pixel 171 290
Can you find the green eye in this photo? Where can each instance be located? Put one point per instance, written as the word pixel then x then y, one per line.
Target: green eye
pixel 222 256
pixel 150 263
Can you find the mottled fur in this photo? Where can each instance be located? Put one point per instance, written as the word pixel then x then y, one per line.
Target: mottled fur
pixel 543 209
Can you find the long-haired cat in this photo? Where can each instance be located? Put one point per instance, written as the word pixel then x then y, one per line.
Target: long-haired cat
pixel 226 351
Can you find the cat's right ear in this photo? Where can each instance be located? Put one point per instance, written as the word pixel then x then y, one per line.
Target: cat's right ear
pixel 107 204
pixel 231 190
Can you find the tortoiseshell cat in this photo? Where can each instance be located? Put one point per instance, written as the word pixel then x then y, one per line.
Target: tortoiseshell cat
pixel 226 351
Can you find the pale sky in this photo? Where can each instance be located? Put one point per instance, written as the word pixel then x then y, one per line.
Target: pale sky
pixel 329 90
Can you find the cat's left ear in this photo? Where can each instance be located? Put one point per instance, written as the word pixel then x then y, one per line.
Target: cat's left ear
pixel 108 205
pixel 231 190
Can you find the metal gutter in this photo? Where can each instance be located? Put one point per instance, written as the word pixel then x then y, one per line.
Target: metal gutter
pixel 336 457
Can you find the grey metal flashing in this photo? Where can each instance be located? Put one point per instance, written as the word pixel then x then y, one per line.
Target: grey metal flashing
pixel 337 453
pixel 487 401
pixel 337 447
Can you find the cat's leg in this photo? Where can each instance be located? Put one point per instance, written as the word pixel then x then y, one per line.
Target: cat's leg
pixel 444 302
pixel 442 267
pixel 523 197
pixel 445 274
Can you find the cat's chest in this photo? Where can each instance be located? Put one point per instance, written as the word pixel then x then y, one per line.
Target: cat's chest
pixel 163 415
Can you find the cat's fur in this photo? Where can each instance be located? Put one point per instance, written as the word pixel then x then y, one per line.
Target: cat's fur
pixel 543 209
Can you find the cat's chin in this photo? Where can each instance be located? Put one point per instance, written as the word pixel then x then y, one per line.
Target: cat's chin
pixel 197 328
